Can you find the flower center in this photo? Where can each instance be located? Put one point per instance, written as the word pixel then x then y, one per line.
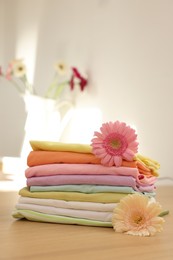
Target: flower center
pixel 20 68
pixel 61 66
pixel 138 220
pixel 115 144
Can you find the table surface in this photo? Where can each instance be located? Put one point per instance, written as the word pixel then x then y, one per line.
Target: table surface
pixel 23 239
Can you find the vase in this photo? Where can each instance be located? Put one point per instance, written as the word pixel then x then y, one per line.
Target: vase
pixel 46 119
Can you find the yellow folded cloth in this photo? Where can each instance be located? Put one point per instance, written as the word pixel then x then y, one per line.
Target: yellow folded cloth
pixel 58 146
pixel 102 197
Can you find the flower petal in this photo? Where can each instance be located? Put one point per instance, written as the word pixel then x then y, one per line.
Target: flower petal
pixel 106 159
pixel 117 160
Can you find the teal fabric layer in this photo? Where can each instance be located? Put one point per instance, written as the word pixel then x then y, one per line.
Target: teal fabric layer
pixel 84 188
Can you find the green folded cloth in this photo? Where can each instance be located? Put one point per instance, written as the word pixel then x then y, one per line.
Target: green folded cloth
pixel 41 217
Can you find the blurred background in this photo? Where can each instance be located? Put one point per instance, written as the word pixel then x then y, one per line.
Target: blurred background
pixel 125 48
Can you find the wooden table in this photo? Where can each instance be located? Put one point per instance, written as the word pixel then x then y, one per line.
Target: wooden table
pixel 23 239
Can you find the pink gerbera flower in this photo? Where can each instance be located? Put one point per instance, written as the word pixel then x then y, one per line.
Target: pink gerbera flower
pixel 138 215
pixel 116 141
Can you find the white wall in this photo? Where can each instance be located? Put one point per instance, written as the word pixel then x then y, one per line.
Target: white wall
pixel 126 47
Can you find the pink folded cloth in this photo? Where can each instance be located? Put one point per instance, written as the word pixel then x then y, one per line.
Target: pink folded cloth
pixel 87 169
pixel 112 180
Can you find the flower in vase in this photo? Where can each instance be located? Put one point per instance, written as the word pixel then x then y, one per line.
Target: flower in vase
pixel 74 78
pixel 16 74
pixel 65 76
pixel 138 215
pixel 61 68
pixel 77 79
pixel 18 68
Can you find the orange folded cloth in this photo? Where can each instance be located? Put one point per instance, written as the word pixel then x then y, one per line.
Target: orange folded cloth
pixel 50 157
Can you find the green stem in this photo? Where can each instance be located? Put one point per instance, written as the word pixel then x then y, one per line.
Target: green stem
pixel 51 87
pixel 27 84
pixel 59 89
pixel 164 213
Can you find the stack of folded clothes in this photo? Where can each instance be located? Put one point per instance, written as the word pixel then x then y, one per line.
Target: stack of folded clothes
pixel 82 184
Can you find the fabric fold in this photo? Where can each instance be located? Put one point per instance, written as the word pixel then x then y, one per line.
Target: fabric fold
pixel 75 196
pixel 68 204
pixel 83 188
pixel 88 169
pixel 58 146
pixel 50 157
pixel 109 180
pixel 41 217
pixel 85 214
pixel 88 189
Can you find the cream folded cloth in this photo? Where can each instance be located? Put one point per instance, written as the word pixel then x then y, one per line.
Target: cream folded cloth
pixel 68 204
pixel 86 214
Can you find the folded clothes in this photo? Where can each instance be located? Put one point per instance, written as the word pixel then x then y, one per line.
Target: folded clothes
pixel 58 146
pixel 50 157
pixel 68 204
pixel 67 183
pixel 86 214
pixel 41 217
pixel 74 196
pixel 87 189
pixel 112 180
pixel 143 162
pixel 88 169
